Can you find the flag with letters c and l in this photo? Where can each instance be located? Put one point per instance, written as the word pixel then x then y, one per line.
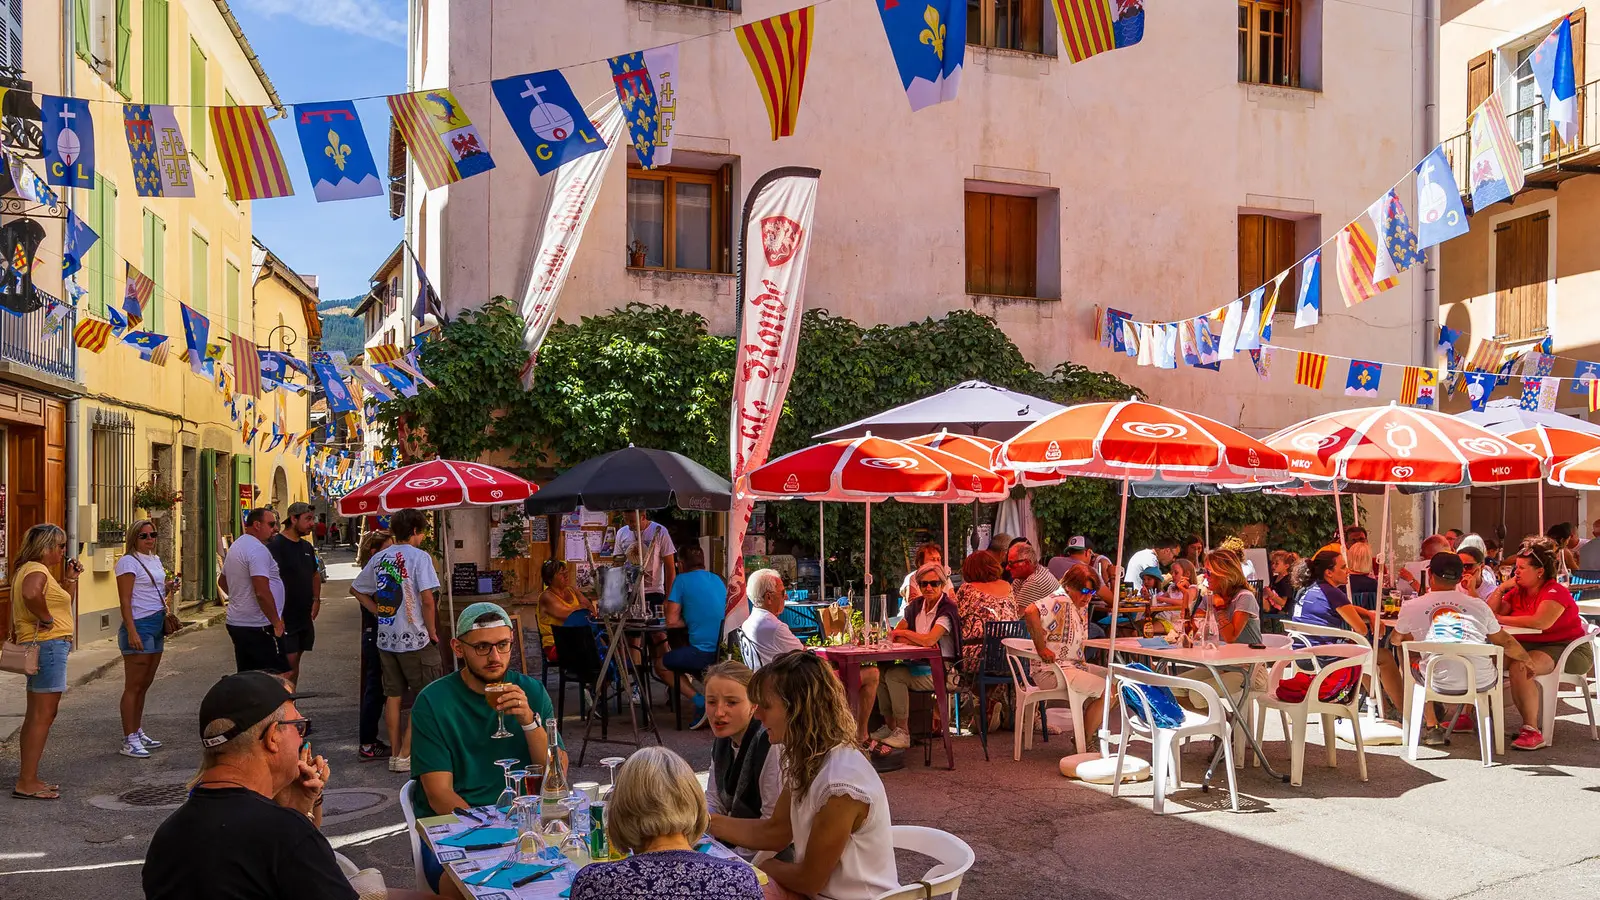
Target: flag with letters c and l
pixel 778 49
pixel 547 118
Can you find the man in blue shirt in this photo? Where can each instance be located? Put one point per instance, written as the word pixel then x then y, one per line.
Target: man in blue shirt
pixel 697 602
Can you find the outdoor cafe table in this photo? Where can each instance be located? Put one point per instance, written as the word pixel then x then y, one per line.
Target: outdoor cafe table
pixel 1213 660
pixel 848 658
pixel 460 864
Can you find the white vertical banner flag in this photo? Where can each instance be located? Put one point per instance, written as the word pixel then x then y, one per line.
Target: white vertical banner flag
pixel 772 280
pixel 662 65
pixel 571 202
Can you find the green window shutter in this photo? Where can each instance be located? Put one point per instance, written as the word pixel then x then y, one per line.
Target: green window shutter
pixel 124 47
pixel 197 99
pixel 103 281
pixel 199 276
pixel 230 287
pixel 156 63
pixel 155 236
pixel 80 27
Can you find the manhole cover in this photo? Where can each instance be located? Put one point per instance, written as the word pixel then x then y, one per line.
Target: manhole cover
pixel 155 795
pixel 344 802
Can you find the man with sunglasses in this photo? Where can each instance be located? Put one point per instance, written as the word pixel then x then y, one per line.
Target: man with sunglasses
pixel 250 825
pixel 453 725
pixel 1030 582
pixel 252 583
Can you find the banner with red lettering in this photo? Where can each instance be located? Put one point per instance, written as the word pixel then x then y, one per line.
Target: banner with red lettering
pixel 772 279
pixel 571 201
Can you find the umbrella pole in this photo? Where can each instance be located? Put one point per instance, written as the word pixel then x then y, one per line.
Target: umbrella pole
pixel 822 551
pixel 1377 613
pixel 1116 597
pixel 1205 509
pixel 866 579
pixel 1541 504
pixel 946 508
pixel 1338 516
pixel 449 573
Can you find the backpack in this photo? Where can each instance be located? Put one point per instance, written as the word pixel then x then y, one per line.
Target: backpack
pixel 1164 708
pixel 1340 687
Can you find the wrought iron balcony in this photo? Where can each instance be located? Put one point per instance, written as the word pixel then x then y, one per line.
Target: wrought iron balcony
pixel 1546 160
pixel 34 340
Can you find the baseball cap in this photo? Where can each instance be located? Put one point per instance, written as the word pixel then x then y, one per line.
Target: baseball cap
pixel 1445 566
pixel 468 620
pixel 299 508
pixel 1078 542
pixel 245 699
pixel 1153 572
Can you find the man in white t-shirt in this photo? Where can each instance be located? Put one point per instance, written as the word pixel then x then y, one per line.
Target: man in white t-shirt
pixel 1447 615
pixel 254 589
pixel 659 559
pixel 763 636
pixel 1160 556
pixel 399 586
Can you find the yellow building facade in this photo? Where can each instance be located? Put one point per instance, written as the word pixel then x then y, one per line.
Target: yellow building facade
pixel 138 424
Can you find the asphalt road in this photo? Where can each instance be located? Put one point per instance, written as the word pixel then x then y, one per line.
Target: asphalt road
pixel 1440 827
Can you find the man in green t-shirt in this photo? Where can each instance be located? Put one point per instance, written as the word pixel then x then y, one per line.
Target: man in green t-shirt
pixel 452 748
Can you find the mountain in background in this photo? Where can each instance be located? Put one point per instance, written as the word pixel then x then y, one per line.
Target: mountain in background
pixel 340 329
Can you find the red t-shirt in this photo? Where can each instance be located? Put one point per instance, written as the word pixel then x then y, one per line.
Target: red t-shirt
pixel 1569 627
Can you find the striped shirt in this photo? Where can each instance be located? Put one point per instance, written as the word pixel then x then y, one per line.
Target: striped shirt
pixel 1034 588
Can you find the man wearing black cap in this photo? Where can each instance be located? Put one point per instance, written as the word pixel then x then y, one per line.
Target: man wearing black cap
pixel 249 827
pixel 1448 615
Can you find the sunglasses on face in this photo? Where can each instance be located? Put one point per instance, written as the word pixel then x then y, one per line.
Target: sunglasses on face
pixel 928 584
pixel 146 535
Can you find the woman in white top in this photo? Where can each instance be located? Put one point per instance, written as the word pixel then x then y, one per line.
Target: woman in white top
pixel 833 808
pixel 144 590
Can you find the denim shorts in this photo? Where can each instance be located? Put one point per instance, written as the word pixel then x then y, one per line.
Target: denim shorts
pixel 152 633
pixel 52 675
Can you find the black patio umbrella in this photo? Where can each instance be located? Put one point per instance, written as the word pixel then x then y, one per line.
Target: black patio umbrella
pixel 634 478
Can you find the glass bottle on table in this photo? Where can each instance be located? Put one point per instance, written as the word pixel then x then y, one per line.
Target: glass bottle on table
pixel 555 788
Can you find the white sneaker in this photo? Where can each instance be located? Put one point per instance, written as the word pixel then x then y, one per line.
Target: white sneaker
pixel 898 739
pixel 132 746
pixel 147 740
pixel 400 764
pixel 882 733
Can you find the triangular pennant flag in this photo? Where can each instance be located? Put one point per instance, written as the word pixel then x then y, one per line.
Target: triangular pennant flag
pixel 779 49
pixel 1308 306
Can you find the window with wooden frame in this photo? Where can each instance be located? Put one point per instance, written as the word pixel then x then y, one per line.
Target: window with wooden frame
pixel 1002 245
pixel 1269 42
pixel 1007 24
pixel 1522 277
pixel 1267 247
pixel 678 220
pixel 1535 137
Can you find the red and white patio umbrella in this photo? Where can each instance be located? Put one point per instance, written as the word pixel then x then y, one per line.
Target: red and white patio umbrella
pixel 1581 472
pixel 1401 445
pixel 1553 445
pixel 436 484
pixel 1137 441
pixel 873 469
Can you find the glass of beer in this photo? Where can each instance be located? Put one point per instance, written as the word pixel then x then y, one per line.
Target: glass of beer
pixel 491 695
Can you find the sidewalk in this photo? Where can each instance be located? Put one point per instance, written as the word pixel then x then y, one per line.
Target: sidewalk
pixel 84 665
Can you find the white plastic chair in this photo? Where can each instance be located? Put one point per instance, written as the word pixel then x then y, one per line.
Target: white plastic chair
pixel 1297 714
pixel 1019 653
pixel 1550 686
pixel 953 858
pixel 412 834
pixel 1165 742
pixel 1490 703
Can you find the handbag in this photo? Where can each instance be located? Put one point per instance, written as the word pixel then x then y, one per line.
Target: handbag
pixel 19 658
pixel 171 625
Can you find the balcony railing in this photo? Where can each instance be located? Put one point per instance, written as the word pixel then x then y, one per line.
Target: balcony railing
pixel 1546 159
pixel 33 340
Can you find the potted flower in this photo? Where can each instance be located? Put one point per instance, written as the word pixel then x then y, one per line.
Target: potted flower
pixel 155 496
pixel 636 254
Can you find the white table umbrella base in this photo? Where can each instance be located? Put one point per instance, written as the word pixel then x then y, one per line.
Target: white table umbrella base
pixel 1096 769
pixel 1373 732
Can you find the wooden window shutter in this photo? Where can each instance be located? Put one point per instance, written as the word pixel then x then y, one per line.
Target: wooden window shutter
pixel 124 81
pixel 1521 276
pixel 1252 252
pixel 1579 32
pixel 724 224
pixel 978 228
pixel 1022 227
pixel 1480 79
pixel 156 64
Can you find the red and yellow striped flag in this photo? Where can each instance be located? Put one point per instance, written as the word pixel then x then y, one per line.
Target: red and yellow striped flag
pixel 92 334
pixel 382 353
pixel 1358 258
pixel 778 49
pixel 1410 385
pixel 1310 369
pixel 247 366
pixel 250 158
pixel 1085 27
pixel 1594 395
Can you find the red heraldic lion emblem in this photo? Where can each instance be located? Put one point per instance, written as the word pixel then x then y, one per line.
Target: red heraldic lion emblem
pixel 780 238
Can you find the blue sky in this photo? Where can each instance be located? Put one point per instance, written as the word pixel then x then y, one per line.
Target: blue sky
pixel 329 50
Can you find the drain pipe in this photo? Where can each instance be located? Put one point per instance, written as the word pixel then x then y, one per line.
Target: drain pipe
pixel 1429 349
pixel 74 449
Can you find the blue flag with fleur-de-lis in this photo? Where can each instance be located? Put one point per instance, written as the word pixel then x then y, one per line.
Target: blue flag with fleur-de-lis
pixel 1363 379
pixel 338 157
pixel 637 94
pixel 929 41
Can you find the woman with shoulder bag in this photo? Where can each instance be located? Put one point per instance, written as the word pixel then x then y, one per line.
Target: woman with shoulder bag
pixel 41 619
pixel 145 592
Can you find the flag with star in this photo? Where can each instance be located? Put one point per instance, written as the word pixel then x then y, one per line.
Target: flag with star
pixel 1310 369
pixel 1394 230
pixel 636 92
pixel 1363 379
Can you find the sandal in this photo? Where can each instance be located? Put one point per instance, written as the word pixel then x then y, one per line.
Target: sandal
pixel 45 793
pixel 877 750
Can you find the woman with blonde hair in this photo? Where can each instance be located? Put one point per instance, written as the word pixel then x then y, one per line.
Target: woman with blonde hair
pixel 41 615
pixel 833 808
pixel 746 778
pixel 1232 606
pixel 657 813
pixel 145 593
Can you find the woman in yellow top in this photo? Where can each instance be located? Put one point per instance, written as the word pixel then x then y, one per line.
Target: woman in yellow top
pixel 41 613
pixel 558 601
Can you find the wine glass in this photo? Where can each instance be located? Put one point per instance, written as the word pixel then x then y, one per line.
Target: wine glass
pixel 611 763
pixel 509 795
pixel 491 694
pixel 529 844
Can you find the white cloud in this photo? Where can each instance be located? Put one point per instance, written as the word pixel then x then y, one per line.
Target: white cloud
pixel 369 18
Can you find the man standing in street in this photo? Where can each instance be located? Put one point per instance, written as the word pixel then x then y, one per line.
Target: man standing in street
pixel 302 585
pixel 254 588
pixel 398 585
